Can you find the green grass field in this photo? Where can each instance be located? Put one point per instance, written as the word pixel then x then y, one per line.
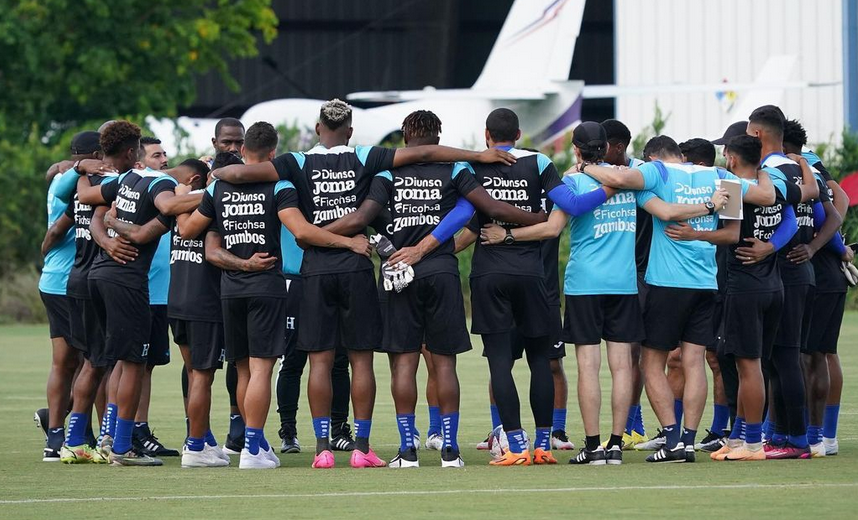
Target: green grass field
pixel 30 488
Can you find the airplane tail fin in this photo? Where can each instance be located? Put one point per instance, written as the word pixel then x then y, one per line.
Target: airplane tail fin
pixel 771 83
pixel 536 43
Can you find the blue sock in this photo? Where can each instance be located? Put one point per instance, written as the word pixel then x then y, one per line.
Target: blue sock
pixel 434 421
pixel 496 421
pixel 109 426
pixel 210 439
pixel 799 441
pixel 677 410
pixel 236 426
pixel 122 440
pixel 252 436
pixel 639 425
pixel 56 436
pixel 543 439
pixel 779 438
pixel 719 419
pixel 363 427
pixel 450 426
pixel 263 442
pixel 405 422
pixel 558 420
pixel 671 433
pixel 688 436
pixel 196 444
pixel 754 433
pixel 738 426
pixel 829 423
pixel 77 429
pixel 517 442
pixel 814 434
pixel 631 418
pixel 322 427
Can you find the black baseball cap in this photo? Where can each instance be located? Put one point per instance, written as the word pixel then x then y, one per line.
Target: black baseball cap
pixel 589 135
pixel 84 143
pixel 737 128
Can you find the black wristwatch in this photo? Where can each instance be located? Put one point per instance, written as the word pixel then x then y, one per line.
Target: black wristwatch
pixel 509 239
pixel 75 168
pixel 710 206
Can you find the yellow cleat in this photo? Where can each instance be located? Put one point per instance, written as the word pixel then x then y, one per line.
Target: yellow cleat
pixel 82 454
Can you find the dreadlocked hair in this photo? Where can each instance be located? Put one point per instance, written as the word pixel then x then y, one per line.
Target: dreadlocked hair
pixel 421 123
pixel 335 113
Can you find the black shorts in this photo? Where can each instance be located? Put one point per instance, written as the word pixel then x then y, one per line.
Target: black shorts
pixel 430 310
pixel 58 309
pixel 643 289
pixel 293 306
pixel 795 319
pixel 123 313
pixel 500 302
pixel 340 309
pixel 254 326
pixel 558 348
pixel 673 315
pixel 613 317
pixel 204 338
pixel 718 322
pixel 159 336
pixel 87 332
pixel 826 318
pixel 751 322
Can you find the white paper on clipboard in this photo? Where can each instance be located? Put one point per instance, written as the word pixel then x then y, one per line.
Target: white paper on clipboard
pixel 734 210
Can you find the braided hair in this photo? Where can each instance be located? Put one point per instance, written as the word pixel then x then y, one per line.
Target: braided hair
pixel 335 113
pixel 421 123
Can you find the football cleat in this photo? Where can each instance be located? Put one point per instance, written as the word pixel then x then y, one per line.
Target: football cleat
pixel 233 446
pixel 485 444
pixel 289 442
pixel 105 446
pixel 513 459
pixel 653 444
pixel 817 450
pixel 614 455
pixel 343 440
pixel 132 458
pixel 435 441
pixel 541 456
pixel 360 459
pixel 144 442
pixel 788 451
pixel 41 419
pixel 744 454
pixel 82 454
pixel 50 455
pixel 596 457
pixel 664 455
pixel 831 446
pixel 631 440
pixel 712 442
pixel 451 458
pixel 324 460
pixel 690 456
pixel 259 461
pixel 206 458
pixel 560 441
pixel 405 459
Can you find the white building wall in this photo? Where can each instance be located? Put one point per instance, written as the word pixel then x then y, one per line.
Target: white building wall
pixel 708 41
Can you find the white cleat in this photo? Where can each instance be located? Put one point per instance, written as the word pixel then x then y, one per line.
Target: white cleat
pixel 272 456
pixel 258 461
pixel 435 442
pixel 559 441
pixel 405 462
pixel 207 458
pixel 218 452
pixel 817 450
pixel 457 463
pixel 831 446
pixel 654 444
pixel 416 442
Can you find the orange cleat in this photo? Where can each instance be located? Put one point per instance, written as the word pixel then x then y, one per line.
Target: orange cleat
pixel 744 453
pixel 721 453
pixel 513 459
pixel 541 456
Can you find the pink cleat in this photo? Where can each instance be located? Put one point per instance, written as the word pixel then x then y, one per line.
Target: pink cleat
pixel 324 460
pixel 366 460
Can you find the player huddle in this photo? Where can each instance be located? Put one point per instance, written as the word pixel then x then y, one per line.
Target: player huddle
pixel 250 257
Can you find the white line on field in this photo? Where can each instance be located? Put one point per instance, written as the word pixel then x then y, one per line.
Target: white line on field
pixel 432 492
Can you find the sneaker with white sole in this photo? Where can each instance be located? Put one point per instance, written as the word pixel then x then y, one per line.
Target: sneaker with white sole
pixel 817 450
pixel 202 459
pixel 831 446
pixel 435 442
pixel 663 455
pixel 272 456
pixel 218 451
pixel 654 444
pixel 132 458
pixel 258 461
pixel 451 458
pixel 485 444
pixel 405 459
pixel 711 443
pixel 560 441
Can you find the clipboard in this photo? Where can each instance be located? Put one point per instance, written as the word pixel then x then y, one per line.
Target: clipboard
pixel 734 210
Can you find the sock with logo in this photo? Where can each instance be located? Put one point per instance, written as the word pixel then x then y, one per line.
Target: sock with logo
pixel 671 434
pixel 236 426
pixel 688 436
pixel 195 444
pixel 405 423
pixel 362 431
pixel 543 439
pixel 814 434
pixel 517 441
pixel 77 429
pixel 141 429
pixel 322 428
pixel 251 440
pixel 210 439
pixel 124 431
pixel 434 421
pixel 615 440
pixel 109 425
pixel 829 422
pixel 263 442
pixel 558 420
pixel 753 433
pixel 496 420
pixel 677 410
pixel 720 417
pixel 738 425
pixel 450 427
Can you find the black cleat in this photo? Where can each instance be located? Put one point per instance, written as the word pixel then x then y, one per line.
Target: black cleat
pixel 289 441
pixel 711 443
pixel 233 446
pixel 144 442
pixel 405 459
pixel 690 456
pixel 614 455
pixel 41 419
pixel 51 455
pixel 596 457
pixel 664 454
pixel 343 440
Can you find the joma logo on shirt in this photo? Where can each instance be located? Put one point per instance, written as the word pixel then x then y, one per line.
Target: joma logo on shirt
pixel 128 206
pixel 239 210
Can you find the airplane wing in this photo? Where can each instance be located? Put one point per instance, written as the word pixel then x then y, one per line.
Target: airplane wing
pixel 398 96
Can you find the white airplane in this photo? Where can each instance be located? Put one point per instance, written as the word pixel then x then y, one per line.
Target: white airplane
pixel 527 71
